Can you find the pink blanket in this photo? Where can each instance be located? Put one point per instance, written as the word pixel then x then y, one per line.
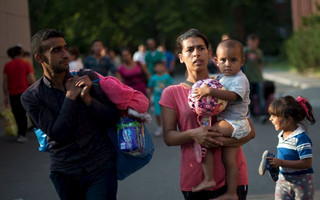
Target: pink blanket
pixel 123 96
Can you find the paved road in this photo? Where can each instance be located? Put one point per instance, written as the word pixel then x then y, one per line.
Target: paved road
pixel 164 177
pixel 24 171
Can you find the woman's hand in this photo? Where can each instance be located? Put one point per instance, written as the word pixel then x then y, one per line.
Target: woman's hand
pixel 206 137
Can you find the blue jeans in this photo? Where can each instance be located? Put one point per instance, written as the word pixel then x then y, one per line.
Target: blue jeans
pixel 101 185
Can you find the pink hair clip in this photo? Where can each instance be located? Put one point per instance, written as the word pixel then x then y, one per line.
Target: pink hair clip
pixel 302 101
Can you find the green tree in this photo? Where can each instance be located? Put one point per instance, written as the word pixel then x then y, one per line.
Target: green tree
pixel 121 23
pixel 302 47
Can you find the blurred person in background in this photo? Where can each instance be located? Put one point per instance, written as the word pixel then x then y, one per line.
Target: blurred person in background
pixel 139 55
pixel 115 58
pixel 253 69
pixel 157 83
pixel 75 60
pixel 26 56
pixel 153 55
pixel 131 72
pixel 17 77
pixel 99 61
pixel 170 59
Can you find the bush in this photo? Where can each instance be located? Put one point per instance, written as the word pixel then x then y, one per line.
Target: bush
pixel 302 48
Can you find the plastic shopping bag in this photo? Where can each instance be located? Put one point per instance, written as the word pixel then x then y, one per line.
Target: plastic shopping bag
pixel 130 136
pixel 10 124
pixel 42 140
pixel 134 155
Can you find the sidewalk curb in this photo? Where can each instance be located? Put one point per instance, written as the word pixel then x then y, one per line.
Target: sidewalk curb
pixel 271 196
pixel 291 79
pixel 305 86
pixel 284 81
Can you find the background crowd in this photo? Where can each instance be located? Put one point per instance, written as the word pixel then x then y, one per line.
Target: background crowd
pixel 148 68
pixel 151 76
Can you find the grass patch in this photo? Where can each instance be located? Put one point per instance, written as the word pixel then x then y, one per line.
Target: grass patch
pixel 279 65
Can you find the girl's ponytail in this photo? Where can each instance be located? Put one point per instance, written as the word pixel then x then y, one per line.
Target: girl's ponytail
pixel 307 108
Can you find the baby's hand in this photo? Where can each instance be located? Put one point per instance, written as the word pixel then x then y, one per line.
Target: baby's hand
pixel 202 91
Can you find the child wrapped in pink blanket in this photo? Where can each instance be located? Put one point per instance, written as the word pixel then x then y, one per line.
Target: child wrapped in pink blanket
pixel 132 103
pixel 125 98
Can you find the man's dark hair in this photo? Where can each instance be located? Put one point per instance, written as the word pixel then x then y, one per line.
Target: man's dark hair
pixel 96 40
pixel 194 33
pixel 14 51
pixel 42 35
pixel 252 37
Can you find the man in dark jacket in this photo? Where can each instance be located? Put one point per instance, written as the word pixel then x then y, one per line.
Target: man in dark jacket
pixel 76 116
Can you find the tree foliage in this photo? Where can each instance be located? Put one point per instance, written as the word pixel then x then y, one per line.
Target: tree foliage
pixel 121 23
pixel 302 48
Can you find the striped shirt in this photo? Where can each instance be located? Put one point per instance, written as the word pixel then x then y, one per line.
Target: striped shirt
pixel 296 146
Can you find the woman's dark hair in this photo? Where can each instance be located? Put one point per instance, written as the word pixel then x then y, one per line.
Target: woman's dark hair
pixel 42 35
pixel 14 51
pixel 194 33
pixel 288 106
pixel 123 49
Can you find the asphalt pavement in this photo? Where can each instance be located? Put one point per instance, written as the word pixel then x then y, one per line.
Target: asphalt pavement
pixel 24 172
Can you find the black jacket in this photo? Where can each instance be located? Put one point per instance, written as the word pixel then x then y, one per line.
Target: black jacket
pixel 78 133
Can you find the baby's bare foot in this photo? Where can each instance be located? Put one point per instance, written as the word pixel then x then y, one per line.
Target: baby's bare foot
pixel 204 185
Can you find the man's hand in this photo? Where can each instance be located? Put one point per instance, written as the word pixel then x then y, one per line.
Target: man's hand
pixel 73 91
pixel 85 83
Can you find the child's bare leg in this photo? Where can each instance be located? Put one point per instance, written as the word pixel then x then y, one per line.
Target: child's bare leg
pixel 229 159
pixel 207 167
pixel 224 128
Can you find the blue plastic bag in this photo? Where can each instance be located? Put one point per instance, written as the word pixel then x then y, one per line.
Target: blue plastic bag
pixel 128 163
pixel 42 140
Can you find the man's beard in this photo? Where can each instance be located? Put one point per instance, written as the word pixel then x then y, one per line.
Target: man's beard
pixel 58 70
pixel 61 67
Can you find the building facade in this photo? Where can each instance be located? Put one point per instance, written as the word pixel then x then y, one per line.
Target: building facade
pixel 15 29
pixel 302 8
